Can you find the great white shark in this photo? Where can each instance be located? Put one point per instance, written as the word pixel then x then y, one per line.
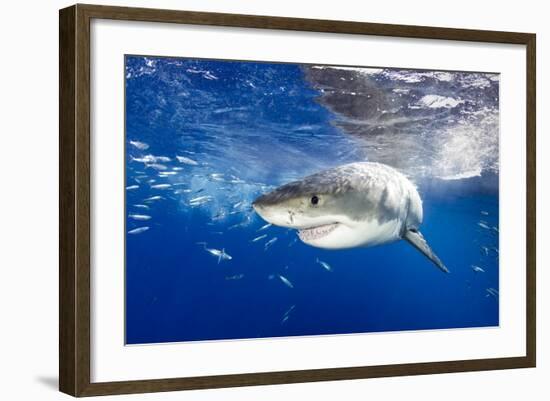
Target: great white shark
pixel 355 205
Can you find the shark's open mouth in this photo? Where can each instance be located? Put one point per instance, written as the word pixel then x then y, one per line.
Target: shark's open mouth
pixel 313 233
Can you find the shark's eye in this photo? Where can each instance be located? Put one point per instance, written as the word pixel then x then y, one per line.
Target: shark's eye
pixel 314 200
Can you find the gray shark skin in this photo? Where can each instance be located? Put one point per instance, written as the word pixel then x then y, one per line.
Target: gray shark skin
pixel 355 205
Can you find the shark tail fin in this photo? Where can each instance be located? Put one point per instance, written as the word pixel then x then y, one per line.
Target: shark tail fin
pixel 415 238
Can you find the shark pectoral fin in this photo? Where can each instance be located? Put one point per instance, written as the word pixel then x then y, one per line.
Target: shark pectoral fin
pixel 417 240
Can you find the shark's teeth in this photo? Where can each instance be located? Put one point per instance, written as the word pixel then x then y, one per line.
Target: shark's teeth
pixel 310 234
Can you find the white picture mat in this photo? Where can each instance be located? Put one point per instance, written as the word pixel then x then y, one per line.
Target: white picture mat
pixel 112 361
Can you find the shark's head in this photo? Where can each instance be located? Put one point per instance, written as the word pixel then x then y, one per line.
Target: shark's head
pixel 313 214
pixel 334 209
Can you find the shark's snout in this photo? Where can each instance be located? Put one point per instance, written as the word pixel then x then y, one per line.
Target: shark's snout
pixel 270 213
pixel 259 206
pixel 266 205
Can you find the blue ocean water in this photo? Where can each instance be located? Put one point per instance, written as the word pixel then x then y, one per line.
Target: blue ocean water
pixel 204 138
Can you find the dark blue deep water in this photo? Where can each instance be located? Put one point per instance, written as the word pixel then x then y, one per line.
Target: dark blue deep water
pixel 204 138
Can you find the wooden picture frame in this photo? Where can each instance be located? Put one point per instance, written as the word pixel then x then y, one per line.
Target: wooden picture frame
pixel 74 199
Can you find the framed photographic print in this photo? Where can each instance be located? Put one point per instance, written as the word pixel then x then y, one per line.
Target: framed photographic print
pixel 251 200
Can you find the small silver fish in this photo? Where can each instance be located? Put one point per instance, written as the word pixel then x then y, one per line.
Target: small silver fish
pixel 325 265
pixel 286 281
pixel 269 243
pixel 201 199
pixel 217 176
pixel 138 230
pixel 219 216
pixel 290 309
pixel 483 212
pixel 286 315
pixel 264 227
pixel 145 159
pixel 151 159
pixel 198 203
pixel 139 217
pixel 142 206
pixel 161 186
pixel 235 226
pixel 259 238
pixel 139 178
pixel 186 160
pixel 477 269
pixel 139 145
pixel 132 187
pixel 235 277
pixel 148 159
pixel 153 198
pixel 166 173
pixel 220 254
pixel 483 225
pixel 158 166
